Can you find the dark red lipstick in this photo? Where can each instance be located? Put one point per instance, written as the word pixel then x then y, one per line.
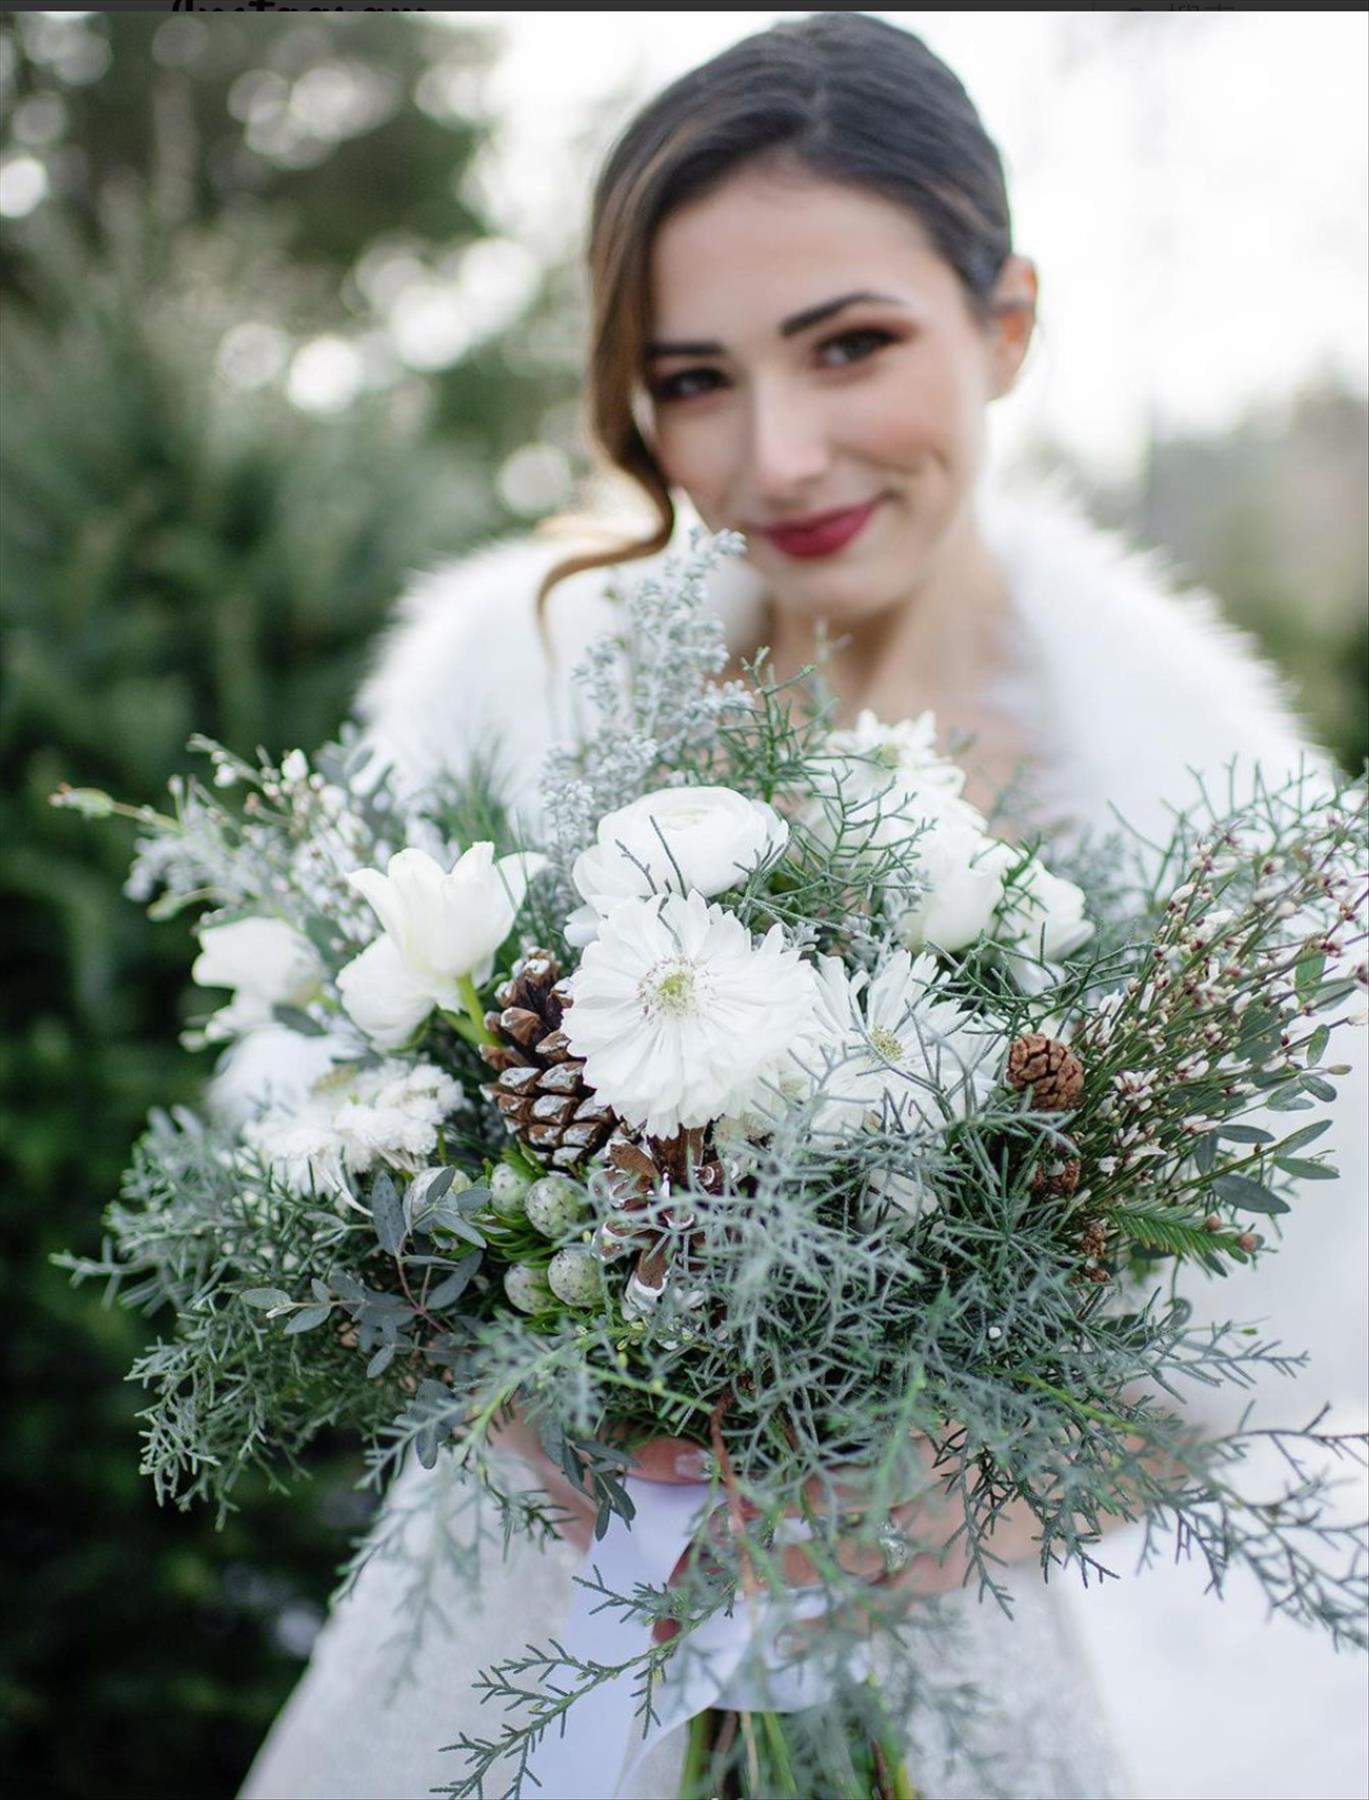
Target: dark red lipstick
pixel 821 534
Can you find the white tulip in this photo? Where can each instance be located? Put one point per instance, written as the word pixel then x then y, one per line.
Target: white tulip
pixel 267 963
pixel 675 840
pixel 382 997
pixel 441 932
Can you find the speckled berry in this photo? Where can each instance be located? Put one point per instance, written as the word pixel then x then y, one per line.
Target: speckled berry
pixel 555 1206
pixel 508 1191
pixel 527 1288
pixel 573 1275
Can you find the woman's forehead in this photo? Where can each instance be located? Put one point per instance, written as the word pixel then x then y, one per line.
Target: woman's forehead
pixel 756 251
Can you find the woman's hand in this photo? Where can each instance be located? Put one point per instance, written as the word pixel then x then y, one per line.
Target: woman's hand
pixel 897 1572
pixel 673 1460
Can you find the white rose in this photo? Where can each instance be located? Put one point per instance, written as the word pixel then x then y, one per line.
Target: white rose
pixel 964 872
pixel 705 839
pixel 1044 915
pixel 267 963
pixel 440 935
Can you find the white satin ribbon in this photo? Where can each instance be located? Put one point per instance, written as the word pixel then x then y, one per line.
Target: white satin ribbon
pixel 730 1661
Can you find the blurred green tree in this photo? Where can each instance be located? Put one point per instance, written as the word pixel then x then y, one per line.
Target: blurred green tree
pixel 223 446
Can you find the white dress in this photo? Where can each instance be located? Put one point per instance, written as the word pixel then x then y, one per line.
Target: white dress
pixel 1146 1686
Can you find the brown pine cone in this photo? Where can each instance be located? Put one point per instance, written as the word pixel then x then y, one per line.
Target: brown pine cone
pixel 540 1087
pixel 639 1170
pixel 1057 1182
pixel 1049 1068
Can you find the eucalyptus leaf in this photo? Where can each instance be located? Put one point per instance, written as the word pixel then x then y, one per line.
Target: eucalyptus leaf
pixel 266 1298
pixel 306 1320
pixel 426 1188
pixel 387 1210
pixel 1306 975
pixel 1247 1195
pixel 454 1284
pixel 1322 1089
pixel 1316 1044
pixel 380 1361
pixel 295 1020
pixel 1304 1170
pixel 1245 1134
pixel 322 934
pixel 1303 1136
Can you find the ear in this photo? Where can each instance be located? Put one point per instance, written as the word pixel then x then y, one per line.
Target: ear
pixel 1012 309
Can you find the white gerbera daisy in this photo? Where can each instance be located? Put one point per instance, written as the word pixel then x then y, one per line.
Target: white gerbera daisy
pixel 679 1016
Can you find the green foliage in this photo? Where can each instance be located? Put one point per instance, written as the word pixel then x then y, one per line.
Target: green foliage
pixel 180 552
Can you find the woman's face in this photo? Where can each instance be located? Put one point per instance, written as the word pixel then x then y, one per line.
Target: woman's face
pixel 811 352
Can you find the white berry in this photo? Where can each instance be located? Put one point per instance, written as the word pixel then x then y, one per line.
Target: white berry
pixel 527 1288
pixel 573 1277
pixel 554 1206
pixel 508 1191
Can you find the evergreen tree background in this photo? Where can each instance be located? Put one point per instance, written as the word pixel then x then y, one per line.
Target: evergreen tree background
pixel 262 353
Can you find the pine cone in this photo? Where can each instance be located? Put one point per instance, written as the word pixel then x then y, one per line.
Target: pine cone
pixel 540 1087
pixel 637 1170
pixel 1049 1068
pixel 1058 1181
pixel 1094 1245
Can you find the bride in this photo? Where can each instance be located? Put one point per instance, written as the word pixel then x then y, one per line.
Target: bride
pixel 805 298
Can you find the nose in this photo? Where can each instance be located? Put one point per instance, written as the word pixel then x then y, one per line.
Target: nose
pixel 787 444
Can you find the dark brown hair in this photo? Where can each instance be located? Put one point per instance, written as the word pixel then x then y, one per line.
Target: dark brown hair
pixel 843 95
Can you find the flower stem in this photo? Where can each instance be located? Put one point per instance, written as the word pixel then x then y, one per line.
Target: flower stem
pixel 470 1022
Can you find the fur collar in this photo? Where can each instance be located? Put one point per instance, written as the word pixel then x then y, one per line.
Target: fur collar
pixel 1126 685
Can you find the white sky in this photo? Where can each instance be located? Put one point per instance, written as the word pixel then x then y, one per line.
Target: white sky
pixel 1194 187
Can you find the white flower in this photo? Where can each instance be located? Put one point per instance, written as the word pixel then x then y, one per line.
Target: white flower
pixel 963 870
pixel 353 1119
pixel 870 808
pixel 1043 915
pixel 440 932
pixel 679 1017
pixel 268 964
pixel 908 1057
pixel 907 750
pixel 675 840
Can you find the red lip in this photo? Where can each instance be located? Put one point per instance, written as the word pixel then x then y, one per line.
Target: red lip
pixel 823 534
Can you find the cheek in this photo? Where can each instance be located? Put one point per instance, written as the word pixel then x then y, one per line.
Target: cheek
pixel 932 409
pixel 694 452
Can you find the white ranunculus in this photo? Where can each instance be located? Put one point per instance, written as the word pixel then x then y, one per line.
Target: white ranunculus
pixel 266 962
pixel 1043 915
pixel 964 871
pixel 441 930
pixel 675 840
pixel 679 1016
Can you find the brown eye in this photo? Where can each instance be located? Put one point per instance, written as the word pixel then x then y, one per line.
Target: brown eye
pixel 860 343
pixel 676 387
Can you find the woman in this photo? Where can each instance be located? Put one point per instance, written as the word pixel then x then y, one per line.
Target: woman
pixel 805 297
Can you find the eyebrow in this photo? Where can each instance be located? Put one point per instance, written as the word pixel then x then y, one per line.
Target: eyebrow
pixel 800 321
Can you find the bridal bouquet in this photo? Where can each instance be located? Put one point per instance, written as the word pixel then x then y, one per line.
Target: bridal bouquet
pixel 770 1101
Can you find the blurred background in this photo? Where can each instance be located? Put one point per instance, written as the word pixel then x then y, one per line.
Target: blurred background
pixel 291 306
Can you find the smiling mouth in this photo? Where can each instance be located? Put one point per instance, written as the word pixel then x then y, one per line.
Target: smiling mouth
pixel 821 535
